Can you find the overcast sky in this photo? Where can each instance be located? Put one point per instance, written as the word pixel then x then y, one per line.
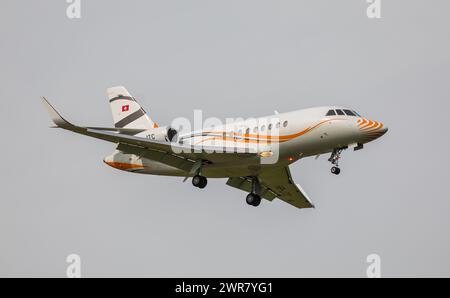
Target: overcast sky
pixel 229 58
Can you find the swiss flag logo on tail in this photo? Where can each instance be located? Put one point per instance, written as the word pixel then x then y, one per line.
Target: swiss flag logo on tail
pixel 125 108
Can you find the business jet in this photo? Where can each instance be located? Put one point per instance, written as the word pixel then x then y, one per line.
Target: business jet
pixel 253 154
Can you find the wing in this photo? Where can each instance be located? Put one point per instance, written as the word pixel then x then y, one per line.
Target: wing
pixel 174 154
pixel 276 183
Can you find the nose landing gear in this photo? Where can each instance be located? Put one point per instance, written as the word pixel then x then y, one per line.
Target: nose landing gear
pixel 334 159
pixel 335 170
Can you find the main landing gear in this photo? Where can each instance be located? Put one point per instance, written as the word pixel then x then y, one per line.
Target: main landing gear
pixel 199 181
pixel 253 198
pixel 334 159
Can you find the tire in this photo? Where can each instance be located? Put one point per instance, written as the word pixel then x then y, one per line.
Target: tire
pixel 203 182
pixel 335 170
pixel 253 199
pixel 257 201
pixel 197 180
pixel 250 198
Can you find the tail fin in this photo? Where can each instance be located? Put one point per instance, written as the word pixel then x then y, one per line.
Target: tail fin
pixel 126 112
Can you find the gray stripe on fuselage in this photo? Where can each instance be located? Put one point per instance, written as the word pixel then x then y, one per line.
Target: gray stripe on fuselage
pixel 130 118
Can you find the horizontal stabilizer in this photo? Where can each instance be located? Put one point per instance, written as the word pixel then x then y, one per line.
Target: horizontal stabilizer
pixel 54 115
pixel 63 123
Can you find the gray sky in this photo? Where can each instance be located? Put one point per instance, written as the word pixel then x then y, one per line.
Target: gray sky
pixel 231 59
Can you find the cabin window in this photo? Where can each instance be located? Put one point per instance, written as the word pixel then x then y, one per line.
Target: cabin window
pixel 331 113
pixel 270 126
pixel 255 130
pixel 263 128
pixel 277 125
pixel 247 131
pixel 349 113
pixel 285 124
pixel 340 112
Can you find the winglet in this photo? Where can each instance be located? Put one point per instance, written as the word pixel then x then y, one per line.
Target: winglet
pixel 56 117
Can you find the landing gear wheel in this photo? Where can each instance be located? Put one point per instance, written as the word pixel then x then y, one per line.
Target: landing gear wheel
pixel 199 181
pixel 203 183
pixel 257 201
pixel 196 180
pixel 335 170
pixel 253 199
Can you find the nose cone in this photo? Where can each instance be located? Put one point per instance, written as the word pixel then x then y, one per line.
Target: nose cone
pixel 370 130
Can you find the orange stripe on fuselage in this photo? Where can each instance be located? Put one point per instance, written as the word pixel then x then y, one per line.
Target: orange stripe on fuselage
pixel 376 127
pixel 368 124
pixel 364 121
pixel 264 138
pixel 373 124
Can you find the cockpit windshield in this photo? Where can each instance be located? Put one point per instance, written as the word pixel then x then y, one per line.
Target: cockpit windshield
pixel 349 113
pixel 356 113
pixel 342 112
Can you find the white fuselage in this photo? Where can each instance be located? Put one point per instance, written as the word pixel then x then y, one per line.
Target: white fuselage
pixel 284 138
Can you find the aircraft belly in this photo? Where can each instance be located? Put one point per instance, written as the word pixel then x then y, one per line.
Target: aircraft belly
pixel 157 168
pixel 228 172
